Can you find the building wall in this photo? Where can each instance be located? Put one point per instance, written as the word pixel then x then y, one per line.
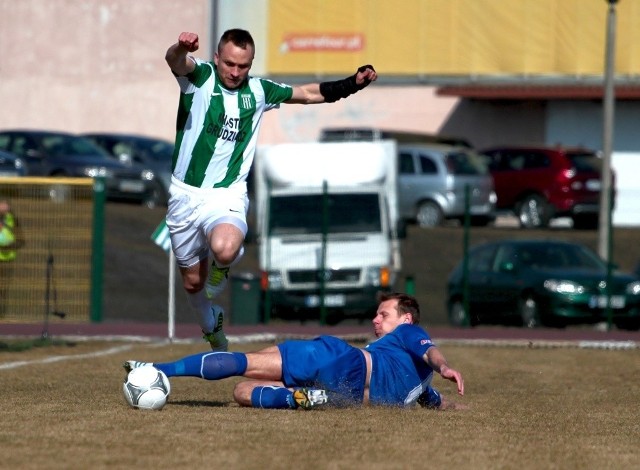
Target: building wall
pixel 412 108
pixel 98 65
pixel 92 64
pixel 484 124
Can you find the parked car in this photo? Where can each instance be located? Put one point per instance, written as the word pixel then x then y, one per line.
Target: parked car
pixel 433 181
pixel 50 153
pixel 11 165
pixel 541 183
pixel 150 152
pixel 540 282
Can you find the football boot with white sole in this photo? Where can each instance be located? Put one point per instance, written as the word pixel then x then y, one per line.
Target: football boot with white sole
pixel 308 398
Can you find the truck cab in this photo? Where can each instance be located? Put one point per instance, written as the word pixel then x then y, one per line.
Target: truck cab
pixel 327 227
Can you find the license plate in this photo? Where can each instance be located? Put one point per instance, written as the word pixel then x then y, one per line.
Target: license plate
pixel 600 301
pixel 131 186
pixel 330 300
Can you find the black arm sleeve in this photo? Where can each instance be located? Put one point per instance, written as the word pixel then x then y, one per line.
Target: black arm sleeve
pixel 333 91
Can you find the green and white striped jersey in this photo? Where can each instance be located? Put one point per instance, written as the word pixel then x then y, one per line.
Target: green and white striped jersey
pixel 217 129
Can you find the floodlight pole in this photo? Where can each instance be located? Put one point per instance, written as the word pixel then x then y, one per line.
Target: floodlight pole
pixel 607 137
pixel 605 239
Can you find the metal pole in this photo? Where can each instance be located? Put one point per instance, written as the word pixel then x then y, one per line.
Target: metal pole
pixel 323 254
pixel 97 249
pixel 47 295
pixel 171 327
pixel 213 27
pixel 607 137
pixel 605 240
pixel 465 257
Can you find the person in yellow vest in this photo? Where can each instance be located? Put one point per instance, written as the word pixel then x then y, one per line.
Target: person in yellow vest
pixel 10 241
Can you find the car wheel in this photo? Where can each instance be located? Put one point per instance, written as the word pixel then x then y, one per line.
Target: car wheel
pixel 429 215
pixel 534 212
pixel 458 317
pixel 528 311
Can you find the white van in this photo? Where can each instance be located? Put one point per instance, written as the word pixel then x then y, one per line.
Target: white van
pixel 327 218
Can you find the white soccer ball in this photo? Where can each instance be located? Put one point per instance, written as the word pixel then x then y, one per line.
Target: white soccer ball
pixel 146 387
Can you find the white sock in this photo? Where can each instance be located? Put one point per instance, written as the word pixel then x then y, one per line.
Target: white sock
pixel 202 306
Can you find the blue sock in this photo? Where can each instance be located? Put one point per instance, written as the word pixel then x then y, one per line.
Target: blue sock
pixel 208 365
pixel 272 397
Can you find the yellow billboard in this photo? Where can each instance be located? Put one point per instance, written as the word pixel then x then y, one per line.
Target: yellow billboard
pixel 416 38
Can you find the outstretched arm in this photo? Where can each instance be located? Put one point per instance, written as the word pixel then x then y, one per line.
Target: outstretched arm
pixel 177 54
pixel 328 92
pixel 437 362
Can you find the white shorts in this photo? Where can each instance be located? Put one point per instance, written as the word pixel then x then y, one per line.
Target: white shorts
pixel 193 212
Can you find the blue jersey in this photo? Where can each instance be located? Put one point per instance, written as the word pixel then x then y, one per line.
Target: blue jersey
pixel 399 373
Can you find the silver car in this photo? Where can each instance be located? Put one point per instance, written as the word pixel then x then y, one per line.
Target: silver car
pixel 433 181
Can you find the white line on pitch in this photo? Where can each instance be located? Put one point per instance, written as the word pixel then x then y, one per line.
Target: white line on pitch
pixel 48 360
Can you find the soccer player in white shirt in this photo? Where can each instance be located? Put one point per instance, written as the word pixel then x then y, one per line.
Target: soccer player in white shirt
pixel 217 126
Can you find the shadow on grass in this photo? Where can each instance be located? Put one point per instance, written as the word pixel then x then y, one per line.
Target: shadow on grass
pixel 26 344
pixel 200 403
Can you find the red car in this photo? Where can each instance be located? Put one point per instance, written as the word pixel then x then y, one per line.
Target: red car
pixel 540 183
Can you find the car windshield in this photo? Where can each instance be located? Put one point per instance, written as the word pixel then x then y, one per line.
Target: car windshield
pixel 347 213
pixel 62 145
pixel 156 149
pixel 558 256
pixel 586 161
pixel 465 163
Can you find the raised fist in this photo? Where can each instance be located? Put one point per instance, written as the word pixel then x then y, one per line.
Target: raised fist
pixel 189 41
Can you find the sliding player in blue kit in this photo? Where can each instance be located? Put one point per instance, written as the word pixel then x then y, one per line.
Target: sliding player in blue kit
pixel 394 370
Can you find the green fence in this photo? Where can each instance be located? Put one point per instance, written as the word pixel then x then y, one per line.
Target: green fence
pixel 57 271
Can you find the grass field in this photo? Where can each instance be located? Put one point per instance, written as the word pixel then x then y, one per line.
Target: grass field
pixel 540 408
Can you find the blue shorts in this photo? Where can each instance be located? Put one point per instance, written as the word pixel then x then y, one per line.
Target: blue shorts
pixel 325 362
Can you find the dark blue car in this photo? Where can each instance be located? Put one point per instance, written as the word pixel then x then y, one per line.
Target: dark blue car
pixel 52 153
pixel 11 165
pixel 133 149
pixel 540 282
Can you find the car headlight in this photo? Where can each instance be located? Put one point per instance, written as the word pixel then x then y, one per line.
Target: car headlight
pixel 97 171
pixel 19 164
pixel 147 175
pixel 561 286
pixel 633 288
pixel 275 280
